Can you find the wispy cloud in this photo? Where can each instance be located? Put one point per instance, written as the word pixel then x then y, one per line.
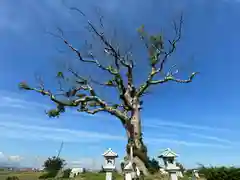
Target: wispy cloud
pixel 40 130
pixel 13 102
pixel 177 128
pixel 156 141
pixel 214 138
pixel 15 158
pixel 35 132
pixel 10 158
pixel 171 124
pixel 23 131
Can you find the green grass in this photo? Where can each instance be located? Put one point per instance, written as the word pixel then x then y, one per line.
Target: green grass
pixel 97 176
pixel 85 176
pixel 20 175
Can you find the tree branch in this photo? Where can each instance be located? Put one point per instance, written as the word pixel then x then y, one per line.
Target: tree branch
pixel 171 78
pixel 159 57
pixel 118 61
pixel 92 111
pixel 83 102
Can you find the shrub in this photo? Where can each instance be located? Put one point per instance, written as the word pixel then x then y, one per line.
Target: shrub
pixel 220 173
pixel 47 175
pixel 153 166
pixel 182 169
pixel 66 173
pixel 12 178
pixel 53 164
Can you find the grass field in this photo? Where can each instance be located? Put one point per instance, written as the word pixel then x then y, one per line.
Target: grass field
pixel 85 176
pixel 20 175
pixel 35 175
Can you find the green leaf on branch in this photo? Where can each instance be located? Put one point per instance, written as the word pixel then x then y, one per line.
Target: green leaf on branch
pixel 156 41
pixel 169 78
pixel 153 60
pixel 56 112
pixel 60 108
pixel 110 83
pixel 24 86
pixel 142 32
pixel 53 113
pixel 112 69
pixel 140 29
pixel 60 75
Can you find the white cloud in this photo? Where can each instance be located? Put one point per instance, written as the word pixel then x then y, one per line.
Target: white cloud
pixel 171 124
pixel 214 138
pixel 13 102
pixel 25 127
pixel 156 141
pixel 10 160
pixel 32 132
pixel 1 155
pixel 15 158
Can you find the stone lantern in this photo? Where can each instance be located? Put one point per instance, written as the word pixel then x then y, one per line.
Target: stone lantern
pixel 195 175
pixel 109 165
pixel 128 170
pixel 168 157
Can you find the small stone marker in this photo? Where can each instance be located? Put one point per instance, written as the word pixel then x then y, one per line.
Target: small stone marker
pixel 195 175
pixel 128 170
pixel 109 165
pixel 168 157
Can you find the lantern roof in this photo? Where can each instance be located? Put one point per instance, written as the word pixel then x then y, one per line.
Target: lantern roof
pixel 110 153
pixel 168 153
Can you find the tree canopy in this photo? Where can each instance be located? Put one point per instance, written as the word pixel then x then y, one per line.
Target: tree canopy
pixel 54 164
pixel 84 96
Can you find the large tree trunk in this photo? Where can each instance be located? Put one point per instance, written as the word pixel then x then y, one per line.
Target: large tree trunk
pixel 134 133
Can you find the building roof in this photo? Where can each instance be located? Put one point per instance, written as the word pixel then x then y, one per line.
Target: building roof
pixel 110 153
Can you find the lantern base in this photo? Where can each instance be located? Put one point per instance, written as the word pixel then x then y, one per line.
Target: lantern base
pixel 109 168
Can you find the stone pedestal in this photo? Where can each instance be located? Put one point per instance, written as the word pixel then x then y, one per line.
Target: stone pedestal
pixel 128 176
pixel 108 175
pixel 128 171
pixel 173 176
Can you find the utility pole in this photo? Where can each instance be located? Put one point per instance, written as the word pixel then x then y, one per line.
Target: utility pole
pixel 59 152
pixel 60 149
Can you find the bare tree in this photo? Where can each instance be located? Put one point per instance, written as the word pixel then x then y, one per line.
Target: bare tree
pixel 84 97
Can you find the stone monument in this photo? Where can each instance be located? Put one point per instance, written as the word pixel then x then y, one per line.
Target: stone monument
pixel 168 157
pixel 195 175
pixel 128 170
pixel 109 165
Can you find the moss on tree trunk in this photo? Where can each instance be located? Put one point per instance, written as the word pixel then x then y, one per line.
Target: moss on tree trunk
pixel 139 150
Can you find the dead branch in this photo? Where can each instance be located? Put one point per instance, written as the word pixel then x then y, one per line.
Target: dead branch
pixel 160 57
pixel 84 97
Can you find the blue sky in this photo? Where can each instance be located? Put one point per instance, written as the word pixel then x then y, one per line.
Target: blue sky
pixel 200 121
